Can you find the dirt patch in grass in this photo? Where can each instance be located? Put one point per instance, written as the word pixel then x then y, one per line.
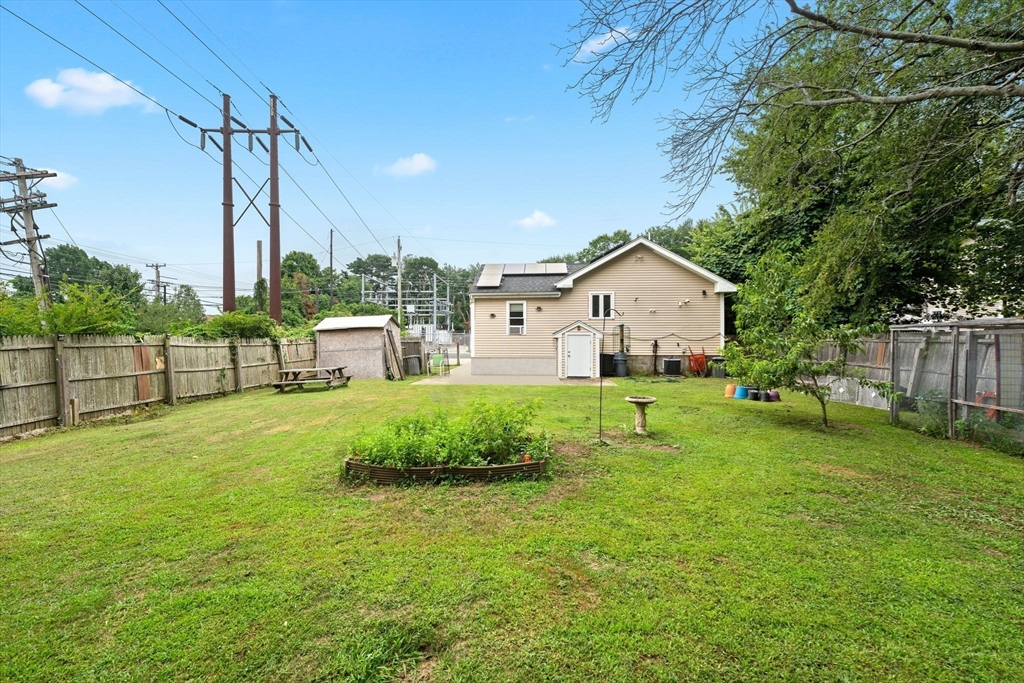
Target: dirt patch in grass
pixel 812 521
pixel 836 470
pixel 618 438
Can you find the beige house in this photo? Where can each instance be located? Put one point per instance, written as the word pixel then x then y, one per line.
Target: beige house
pixel 551 318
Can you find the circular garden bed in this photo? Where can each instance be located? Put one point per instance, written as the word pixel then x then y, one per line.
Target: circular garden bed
pixel 486 442
pixel 381 474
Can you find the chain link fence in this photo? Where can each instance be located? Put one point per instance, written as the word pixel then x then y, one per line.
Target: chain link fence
pixel 962 379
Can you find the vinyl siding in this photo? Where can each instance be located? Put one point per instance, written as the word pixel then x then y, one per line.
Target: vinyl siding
pixel 639 284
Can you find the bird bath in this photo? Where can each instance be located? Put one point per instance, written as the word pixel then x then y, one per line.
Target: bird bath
pixel 641 403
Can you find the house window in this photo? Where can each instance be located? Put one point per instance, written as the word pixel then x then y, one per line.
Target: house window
pixel 517 317
pixel 602 305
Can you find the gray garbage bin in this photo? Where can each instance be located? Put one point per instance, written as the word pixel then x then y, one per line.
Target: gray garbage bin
pixel 412 365
pixel 620 364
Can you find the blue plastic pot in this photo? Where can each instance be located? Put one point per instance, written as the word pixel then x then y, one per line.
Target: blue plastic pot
pixel 741 393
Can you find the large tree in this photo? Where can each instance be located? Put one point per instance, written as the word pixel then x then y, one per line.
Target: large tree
pixel 378 269
pixel 904 119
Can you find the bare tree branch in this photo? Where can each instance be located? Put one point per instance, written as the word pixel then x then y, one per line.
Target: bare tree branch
pixel 906 36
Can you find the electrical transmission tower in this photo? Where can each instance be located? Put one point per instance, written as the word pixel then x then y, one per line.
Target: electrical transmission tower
pixel 227 132
pixel 26 200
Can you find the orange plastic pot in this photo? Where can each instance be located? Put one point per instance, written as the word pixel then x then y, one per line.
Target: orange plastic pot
pixel 730 390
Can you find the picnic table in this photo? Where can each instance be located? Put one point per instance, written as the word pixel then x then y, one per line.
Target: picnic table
pixel 297 377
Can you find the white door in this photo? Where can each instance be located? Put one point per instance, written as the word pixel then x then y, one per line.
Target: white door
pixel 579 355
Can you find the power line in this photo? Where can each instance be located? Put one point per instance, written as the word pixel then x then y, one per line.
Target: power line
pixel 166 46
pixel 212 33
pixel 81 56
pixel 351 175
pixel 154 59
pixel 321 213
pixel 65 229
pixel 318 162
pixel 210 49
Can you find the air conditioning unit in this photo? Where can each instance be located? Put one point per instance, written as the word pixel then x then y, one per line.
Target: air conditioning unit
pixel 516 329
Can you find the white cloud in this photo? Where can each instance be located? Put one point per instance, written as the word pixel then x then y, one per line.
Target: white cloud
pixel 62 182
pixel 409 166
pixel 599 44
pixel 538 219
pixel 518 119
pixel 84 92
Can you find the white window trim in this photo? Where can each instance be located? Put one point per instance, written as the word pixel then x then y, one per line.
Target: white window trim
pixel 508 316
pixel 590 305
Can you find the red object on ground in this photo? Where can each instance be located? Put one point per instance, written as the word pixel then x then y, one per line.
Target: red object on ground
pixel 698 363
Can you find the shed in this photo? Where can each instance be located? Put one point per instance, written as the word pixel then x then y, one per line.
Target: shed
pixel 364 344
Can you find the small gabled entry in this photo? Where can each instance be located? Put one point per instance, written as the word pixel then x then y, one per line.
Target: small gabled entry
pixel 579 346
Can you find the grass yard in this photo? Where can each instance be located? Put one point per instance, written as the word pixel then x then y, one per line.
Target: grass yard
pixel 740 541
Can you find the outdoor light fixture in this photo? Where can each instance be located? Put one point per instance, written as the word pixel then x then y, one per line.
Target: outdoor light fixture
pixel 538 308
pixel 704 292
pixel 492 315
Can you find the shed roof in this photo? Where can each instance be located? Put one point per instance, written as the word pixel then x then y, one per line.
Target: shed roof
pixel 353 322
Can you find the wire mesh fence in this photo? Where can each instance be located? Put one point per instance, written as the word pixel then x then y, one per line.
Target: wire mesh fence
pixel 962 379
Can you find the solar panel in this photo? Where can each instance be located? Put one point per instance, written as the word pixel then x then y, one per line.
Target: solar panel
pixel 515 268
pixel 490 276
pixel 556 269
pixel 535 268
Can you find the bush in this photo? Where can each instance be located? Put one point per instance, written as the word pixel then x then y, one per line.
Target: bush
pixel 486 434
pixel 89 310
pixel 19 315
pixel 230 325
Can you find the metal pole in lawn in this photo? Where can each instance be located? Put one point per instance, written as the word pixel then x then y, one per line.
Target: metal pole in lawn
pixel 600 376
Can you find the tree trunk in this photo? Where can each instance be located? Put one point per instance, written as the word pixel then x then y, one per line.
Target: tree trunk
pixel 824 411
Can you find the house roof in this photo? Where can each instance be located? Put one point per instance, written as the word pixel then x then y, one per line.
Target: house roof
pixel 525 284
pixel 721 284
pixel 550 284
pixel 353 322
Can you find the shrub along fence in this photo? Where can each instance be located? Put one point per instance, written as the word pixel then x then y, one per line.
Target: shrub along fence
pixel 46 381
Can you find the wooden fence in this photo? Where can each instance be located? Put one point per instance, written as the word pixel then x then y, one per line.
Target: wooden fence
pixel 873 361
pixel 46 381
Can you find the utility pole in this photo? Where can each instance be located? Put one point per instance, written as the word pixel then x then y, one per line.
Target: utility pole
pixel 259 260
pixel 434 321
pixel 275 218
pixel 228 211
pixel 274 223
pixel 23 204
pixel 400 316
pixel 156 281
pixel 331 297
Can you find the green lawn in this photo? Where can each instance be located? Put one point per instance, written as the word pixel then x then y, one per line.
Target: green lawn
pixel 740 541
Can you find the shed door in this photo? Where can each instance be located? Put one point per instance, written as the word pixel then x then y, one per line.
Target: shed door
pixel 579 355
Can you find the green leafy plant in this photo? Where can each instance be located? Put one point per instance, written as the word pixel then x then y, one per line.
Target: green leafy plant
pixel 88 309
pixel 932 408
pixel 230 325
pixel 19 315
pixel 486 434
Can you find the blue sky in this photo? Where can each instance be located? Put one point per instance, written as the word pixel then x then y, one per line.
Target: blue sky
pixel 455 117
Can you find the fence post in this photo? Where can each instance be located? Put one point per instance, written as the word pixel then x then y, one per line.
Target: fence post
pixel 61 379
pixel 893 376
pixel 171 390
pixel 280 355
pixel 952 381
pixel 236 360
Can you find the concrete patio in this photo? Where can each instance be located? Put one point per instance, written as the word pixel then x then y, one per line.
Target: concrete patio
pixel 460 374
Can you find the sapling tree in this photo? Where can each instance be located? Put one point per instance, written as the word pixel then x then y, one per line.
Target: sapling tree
pixel 784 343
